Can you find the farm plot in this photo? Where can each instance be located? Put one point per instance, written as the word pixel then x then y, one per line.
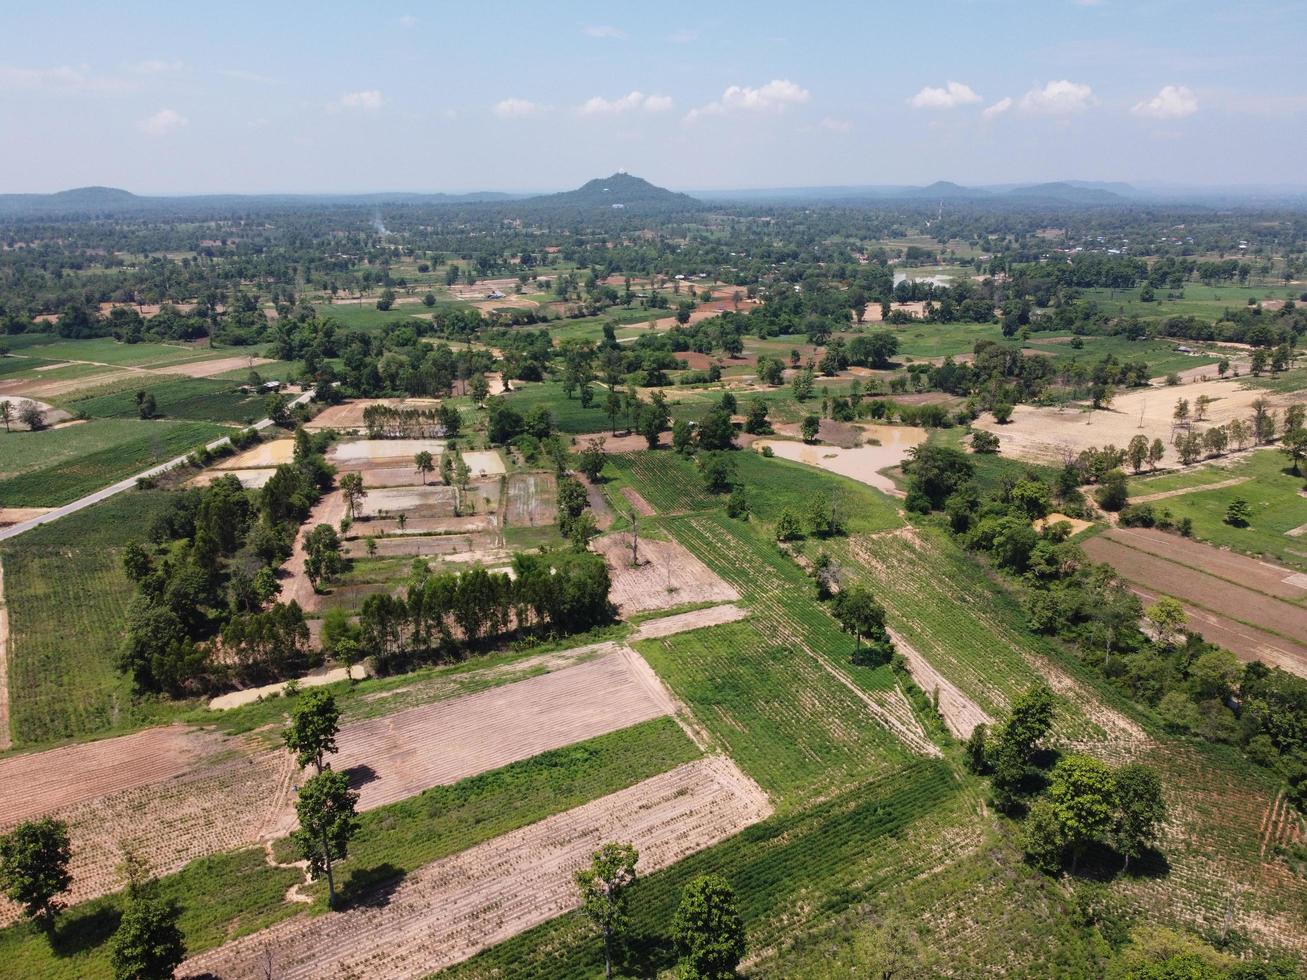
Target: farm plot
pixel 196 399
pixel 348 416
pixel 1254 620
pixel 953 617
pixel 47 469
pixel 667 575
pixel 532 499
pixel 448 910
pixel 780 596
pixel 428 501
pixel 367 450
pixel 862 463
pixel 63 681
pixel 1260 576
pixel 670 482
pixel 789 724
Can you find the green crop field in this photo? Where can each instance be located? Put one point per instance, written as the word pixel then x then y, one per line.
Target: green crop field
pixel 1271 489
pixel 789 723
pixel 366 316
pixel 231 894
pixel 197 399
pixel 921 340
pixel 1205 302
pixel 569 416
pixel 67 595
pixel 56 466
pixel 668 481
pixel 105 350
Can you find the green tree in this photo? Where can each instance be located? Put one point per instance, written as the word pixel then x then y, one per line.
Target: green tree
pixel 424 463
pixel 7 413
pixel 809 428
pixel 31 415
pixel 1141 810
pixel 314 722
pixel 682 436
pixel 34 860
pixel 327 819
pixel 148 944
pixel 146 406
pixel 352 489
pixel 1168 619
pixel 974 752
pixel 1112 495
pixel 1082 792
pixel 590 460
pixel 756 421
pixel 322 560
pixel 716 431
pixel 788 527
pixel 708 930
pixel 1239 513
pixel 1137 452
pixel 1010 757
pixel 479 388
pixel 858 612
pixel 603 888
pixel 1042 838
pixel 1294 445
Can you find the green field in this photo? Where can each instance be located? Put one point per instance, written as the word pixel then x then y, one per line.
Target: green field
pixel 105 350
pixel 366 316
pixel 67 595
pixel 196 399
pixel 1205 302
pixel 1272 490
pixel 57 466
pixel 922 340
pixel 231 894
pixel 569 417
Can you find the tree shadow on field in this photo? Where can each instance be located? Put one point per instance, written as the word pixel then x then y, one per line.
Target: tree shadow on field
pixel 78 932
pixel 360 776
pixel 371 887
pixel 646 954
pixel 1104 864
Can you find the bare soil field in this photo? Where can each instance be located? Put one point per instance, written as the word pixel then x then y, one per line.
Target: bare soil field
pixel 250 479
pixel 178 793
pixel 1077 525
pixel 532 500
pixel 599 505
pixel 1252 573
pixel 1046 435
pixel 265 454
pixel 428 501
pixel 862 463
pixel 631 443
pixel 16 515
pixel 445 912
pixel 40 388
pixel 295 584
pixel 637 502
pixel 685 622
pixel 424 545
pixel 369 450
pixel 349 415
pixel 668 575
pixel 483 463
pixel 214 367
pixel 1220 609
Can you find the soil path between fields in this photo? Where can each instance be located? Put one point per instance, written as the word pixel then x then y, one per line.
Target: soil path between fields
pixel 960 713
pixel 1184 491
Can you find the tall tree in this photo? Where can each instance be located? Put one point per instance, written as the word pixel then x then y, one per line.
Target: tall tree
pixel 708 930
pixel 1141 810
pixel 34 860
pixel 314 724
pixel 148 944
pixel 1083 795
pixel 603 887
pixel 424 463
pixel 327 818
pixel 352 489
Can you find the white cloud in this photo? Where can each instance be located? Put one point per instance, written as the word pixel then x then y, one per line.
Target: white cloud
pixel 775 96
pixel 369 100
pixel 997 109
pixel 248 76
pixel 156 67
pixel 684 36
pixel 952 95
pixel 515 108
pixel 605 31
pixel 1059 98
pixel 1172 102
pixel 836 125
pixel 599 106
pixel 163 122
pixel 408 22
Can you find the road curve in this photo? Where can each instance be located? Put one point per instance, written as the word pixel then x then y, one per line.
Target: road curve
pixel 104 494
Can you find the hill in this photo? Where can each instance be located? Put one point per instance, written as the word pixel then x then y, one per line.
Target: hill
pixel 621 191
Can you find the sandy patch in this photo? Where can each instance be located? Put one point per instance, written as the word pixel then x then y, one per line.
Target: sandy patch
pixel 262 456
pixel 668 575
pixel 214 367
pixel 1047 435
pixel 448 910
pixel 250 479
pixel 532 500
pixel 371 449
pixel 16 515
pixel 862 463
pixel 685 622
pixel 40 388
pixel 484 463
pixel 1077 525
pixel 318 678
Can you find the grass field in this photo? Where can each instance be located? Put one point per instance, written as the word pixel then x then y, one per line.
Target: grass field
pixel 1272 490
pixel 366 316
pixel 1205 302
pixel 1160 355
pixel 67 596
pixel 921 340
pixel 46 469
pixel 195 399
pixel 569 416
pixel 108 351
pixel 228 895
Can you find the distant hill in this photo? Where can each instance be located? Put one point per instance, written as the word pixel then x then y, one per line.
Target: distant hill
pixel 618 192
pixel 944 190
pixel 1066 192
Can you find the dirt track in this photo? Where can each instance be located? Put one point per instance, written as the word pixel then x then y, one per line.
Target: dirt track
pixel 684 622
pixel 960 713
pixel 445 912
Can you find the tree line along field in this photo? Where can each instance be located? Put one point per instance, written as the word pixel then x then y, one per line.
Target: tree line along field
pixel 230 894
pixel 67 596
pixel 1267 483
pixel 57 466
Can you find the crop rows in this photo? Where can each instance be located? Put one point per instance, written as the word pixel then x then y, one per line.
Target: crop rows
pixel 782 597
pixel 789 873
pixel 668 481
pixel 196 399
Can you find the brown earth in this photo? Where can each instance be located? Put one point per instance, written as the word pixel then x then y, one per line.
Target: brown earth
pixel 1239 570
pixel 668 575
pixel 6 740
pixel 637 502
pixel 1221 610
pixel 215 366
pixel 652 629
pixel 448 910
pixel 960 713
pixel 532 500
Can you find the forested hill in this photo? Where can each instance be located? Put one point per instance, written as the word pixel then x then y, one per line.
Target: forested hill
pixel 620 191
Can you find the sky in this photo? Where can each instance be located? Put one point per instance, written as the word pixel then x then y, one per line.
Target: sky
pixel 326 96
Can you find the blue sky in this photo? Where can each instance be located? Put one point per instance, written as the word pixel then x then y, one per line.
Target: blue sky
pixel 328 96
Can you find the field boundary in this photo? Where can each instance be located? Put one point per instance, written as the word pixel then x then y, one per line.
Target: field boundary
pixel 6 738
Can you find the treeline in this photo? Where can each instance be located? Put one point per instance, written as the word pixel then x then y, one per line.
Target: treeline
pixel 1194 687
pixel 205 613
pixel 441 617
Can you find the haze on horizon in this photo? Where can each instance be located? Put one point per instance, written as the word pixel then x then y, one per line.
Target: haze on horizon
pixel 163 98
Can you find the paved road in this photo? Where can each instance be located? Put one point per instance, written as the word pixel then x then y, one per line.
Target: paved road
pixel 94 498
